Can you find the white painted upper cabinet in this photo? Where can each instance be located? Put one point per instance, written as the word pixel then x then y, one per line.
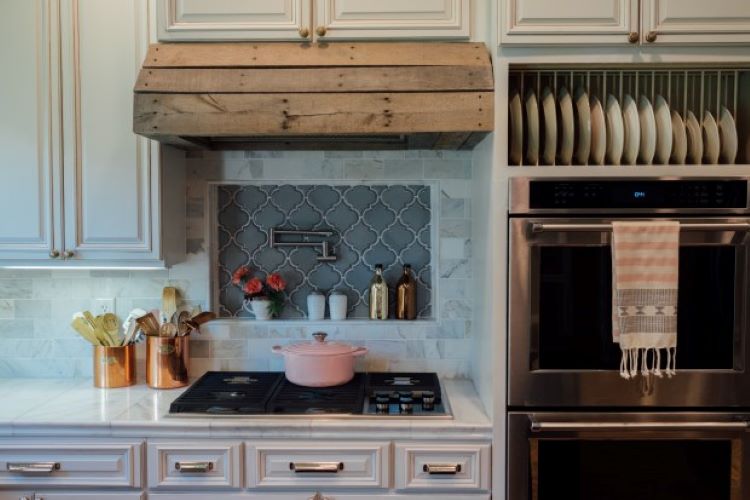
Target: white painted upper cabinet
pixel 185 20
pixel 622 22
pixel 409 19
pixel 530 22
pixel 696 21
pixel 234 19
pixel 30 163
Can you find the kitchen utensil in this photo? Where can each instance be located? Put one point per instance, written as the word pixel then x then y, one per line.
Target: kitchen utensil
pixel 319 363
pixel 167 362
pixel 532 128
pixel 648 131
pixel 631 131
pixel 598 133
pixel 149 324
pixel 728 136
pixel 583 114
pixel 711 141
pixel 663 121
pixel 85 330
pixel 694 139
pixel 182 326
pixel 168 330
pixel 111 326
pixel 679 139
pixel 203 317
pixel 516 128
pixel 114 366
pixel 567 123
pixel 615 131
pixel 169 301
pixel 549 119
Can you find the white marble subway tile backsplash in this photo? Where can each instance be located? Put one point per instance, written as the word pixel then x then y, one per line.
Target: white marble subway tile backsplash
pixel 36 305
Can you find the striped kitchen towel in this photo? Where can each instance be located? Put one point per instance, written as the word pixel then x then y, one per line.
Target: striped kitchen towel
pixel 645 266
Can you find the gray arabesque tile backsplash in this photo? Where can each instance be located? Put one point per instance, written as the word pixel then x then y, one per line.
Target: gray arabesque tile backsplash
pixel 36 305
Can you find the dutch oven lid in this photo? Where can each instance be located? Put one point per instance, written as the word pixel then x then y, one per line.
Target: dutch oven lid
pixel 320 347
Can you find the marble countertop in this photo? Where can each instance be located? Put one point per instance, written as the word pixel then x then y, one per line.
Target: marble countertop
pixel 73 407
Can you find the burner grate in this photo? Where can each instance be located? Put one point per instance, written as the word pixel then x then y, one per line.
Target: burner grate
pixel 228 393
pixel 342 399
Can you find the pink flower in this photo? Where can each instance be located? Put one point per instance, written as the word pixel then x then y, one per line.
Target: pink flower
pixel 253 286
pixel 240 273
pixel 276 282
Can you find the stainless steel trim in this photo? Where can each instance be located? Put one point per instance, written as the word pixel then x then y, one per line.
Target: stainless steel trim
pixel 192 467
pixel 32 467
pixel 714 226
pixel 441 469
pixel 325 249
pixel 316 467
pixel 537 426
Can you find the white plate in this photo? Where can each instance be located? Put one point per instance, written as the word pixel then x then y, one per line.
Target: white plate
pixel 549 116
pixel 598 133
pixel 583 113
pixel 567 123
pixel 663 130
pixel 648 131
pixel 694 139
pixel 615 132
pixel 631 131
pixel 679 139
pixel 516 128
pixel 711 142
pixel 728 136
pixel 532 128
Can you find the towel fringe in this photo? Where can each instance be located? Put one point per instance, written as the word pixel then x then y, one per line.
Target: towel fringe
pixel 637 359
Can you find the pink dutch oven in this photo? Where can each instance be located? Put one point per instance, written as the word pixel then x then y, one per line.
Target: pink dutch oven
pixel 319 363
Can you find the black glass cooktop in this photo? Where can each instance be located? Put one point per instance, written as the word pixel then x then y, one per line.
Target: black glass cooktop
pixel 262 393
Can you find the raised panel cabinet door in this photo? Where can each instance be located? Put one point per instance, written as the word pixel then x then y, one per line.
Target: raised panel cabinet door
pixel 17 495
pixel 111 175
pixel 234 20
pixel 696 21
pixel 29 130
pixel 87 495
pixel 409 19
pixel 595 22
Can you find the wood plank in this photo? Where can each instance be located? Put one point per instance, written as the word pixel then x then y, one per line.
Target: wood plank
pixel 341 79
pixel 216 115
pixel 451 141
pixel 281 54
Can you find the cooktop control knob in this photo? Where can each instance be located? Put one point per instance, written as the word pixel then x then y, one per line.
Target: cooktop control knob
pixel 406 404
pixel 428 400
pixel 382 403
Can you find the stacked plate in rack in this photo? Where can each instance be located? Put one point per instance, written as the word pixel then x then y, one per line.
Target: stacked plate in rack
pixel 564 128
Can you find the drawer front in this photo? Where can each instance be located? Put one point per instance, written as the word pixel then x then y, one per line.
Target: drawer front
pixel 436 467
pixel 70 464
pixel 281 464
pixel 87 495
pixel 214 464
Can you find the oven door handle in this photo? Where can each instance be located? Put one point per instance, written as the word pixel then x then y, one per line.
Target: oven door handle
pixel 708 226
pixel 537 426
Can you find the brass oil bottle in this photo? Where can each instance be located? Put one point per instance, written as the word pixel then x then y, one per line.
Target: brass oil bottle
pixel 406 295
pixel 378 295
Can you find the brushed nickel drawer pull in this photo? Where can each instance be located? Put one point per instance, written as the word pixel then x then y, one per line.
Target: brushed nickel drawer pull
pixel 327 467
pixel 32 467
pixel 194 467
pixel 441 468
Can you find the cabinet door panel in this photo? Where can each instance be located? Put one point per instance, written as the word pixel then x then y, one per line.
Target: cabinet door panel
pixel 87 495
pixel 568 21
pixel 360 19
pixel 111 175
pixel 30 164
pixel 232 19
pixel 697 21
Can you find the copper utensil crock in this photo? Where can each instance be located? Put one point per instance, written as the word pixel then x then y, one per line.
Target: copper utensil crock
pixel 114 366
pixel 167 362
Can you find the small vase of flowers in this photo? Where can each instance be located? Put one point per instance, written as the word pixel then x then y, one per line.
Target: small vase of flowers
pixel 266 298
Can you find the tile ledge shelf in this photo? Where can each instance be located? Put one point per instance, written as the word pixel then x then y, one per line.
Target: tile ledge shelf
pixel 326 322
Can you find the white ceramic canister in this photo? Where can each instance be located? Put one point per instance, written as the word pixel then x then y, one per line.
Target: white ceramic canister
pixel 316 306
pixel 337 306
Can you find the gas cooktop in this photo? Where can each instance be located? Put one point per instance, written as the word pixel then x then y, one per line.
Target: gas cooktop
pixel 270 393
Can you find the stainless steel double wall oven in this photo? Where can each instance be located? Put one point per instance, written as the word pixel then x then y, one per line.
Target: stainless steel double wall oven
pixel 574 424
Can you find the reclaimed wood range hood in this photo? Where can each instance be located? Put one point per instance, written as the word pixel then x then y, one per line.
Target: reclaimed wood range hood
pixel 315 96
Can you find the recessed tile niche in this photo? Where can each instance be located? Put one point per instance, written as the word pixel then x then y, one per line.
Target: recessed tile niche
pixel 389 224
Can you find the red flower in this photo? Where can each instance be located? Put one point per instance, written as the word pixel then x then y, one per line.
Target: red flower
pixel 276 282
pixel 240 273
pixel 253 286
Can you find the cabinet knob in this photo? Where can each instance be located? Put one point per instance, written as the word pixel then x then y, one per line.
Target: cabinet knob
pixel 321 31
pixel 651 37
pixel 69 254
pixel 304 32
pixel 633 37
pixel 54 254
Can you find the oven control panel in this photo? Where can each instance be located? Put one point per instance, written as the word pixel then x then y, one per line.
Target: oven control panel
pixel 637 194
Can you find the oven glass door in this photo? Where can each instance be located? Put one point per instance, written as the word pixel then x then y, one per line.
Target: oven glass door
pixel 561 299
